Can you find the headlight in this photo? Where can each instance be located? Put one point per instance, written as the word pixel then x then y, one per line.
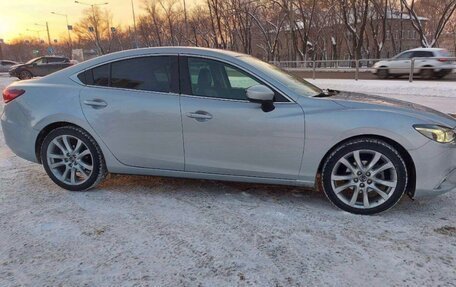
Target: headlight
pixel 437 133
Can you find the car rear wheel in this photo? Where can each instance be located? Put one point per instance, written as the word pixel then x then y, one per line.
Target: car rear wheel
pixel 383 73
pixel 364 176
pixel 427 73
pixel 25 75
pixel 72 159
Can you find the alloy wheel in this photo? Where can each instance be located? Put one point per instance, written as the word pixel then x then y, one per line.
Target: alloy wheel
pixel 364 179
pixel 69 159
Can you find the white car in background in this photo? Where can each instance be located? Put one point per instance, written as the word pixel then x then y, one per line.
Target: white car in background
pixel 429 63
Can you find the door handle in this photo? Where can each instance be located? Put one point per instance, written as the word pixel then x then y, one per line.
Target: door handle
pixel 200 115
pixel 95 103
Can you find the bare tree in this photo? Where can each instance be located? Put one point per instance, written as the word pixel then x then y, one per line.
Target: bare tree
pixel 430 39
pixel 354 14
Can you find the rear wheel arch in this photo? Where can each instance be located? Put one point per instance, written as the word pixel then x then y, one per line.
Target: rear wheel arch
pixel 411 171
pixel 46 130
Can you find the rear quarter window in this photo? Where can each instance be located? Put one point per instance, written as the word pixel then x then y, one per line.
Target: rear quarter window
pixel 443 53
pixel 98 76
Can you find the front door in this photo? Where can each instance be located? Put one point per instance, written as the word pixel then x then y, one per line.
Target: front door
pixel 401 64
pixel 133 105
pixel 224 133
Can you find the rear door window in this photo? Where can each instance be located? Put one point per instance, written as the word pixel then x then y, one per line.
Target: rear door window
pixel 55 60
pixel 423 54
pixel 146 73
pixel 155 74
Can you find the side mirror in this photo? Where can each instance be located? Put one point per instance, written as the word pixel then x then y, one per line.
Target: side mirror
pixel 262 95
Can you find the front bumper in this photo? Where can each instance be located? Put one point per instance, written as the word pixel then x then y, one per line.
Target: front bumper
pixel 435 166
pixel 13 73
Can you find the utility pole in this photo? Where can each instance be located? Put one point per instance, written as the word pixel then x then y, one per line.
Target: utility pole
pixel 186 23
pixel 97 33
pixel 1 51
pixel 68 28
pixel 134 24
pixel 49 35
pixel 50 49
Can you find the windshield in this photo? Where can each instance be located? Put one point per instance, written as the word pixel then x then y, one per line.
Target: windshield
pixel 32 60
pixel 300 86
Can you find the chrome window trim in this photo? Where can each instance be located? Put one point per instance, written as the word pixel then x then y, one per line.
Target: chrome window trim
pixel 131 90
pixel 229 100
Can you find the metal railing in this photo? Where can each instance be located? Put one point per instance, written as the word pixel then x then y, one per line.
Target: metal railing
pixel 411 67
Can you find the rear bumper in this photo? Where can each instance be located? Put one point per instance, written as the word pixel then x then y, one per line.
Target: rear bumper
pixel 435 166
pixel 19 136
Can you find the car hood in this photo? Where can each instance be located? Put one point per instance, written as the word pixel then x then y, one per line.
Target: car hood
pixel 16 66
pixel 364 101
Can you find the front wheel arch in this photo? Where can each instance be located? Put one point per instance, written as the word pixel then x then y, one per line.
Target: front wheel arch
pixel 410 189
pixel 27 71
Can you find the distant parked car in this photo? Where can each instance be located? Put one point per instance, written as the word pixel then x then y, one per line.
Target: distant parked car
pixel 429 63
pixel 6 65
pixel 39 67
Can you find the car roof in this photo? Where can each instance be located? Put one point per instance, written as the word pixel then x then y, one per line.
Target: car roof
pixel 197 51
pixel 426 49
pixel 54 57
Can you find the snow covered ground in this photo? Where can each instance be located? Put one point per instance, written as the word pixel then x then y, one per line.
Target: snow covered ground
pixel 151 231
pixel 435 94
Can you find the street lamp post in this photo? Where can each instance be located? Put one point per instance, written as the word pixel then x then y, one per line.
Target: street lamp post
pixel 68 28
pixel 47 30
pixel 36 31
pixel 97 35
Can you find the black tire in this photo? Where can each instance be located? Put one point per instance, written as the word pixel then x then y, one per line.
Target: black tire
pixel 25 75
pixel 99 171
pixel 383 73
pixel 371 144
pixel 427 73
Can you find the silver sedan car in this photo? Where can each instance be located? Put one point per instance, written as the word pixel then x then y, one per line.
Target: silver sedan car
pixel 211 114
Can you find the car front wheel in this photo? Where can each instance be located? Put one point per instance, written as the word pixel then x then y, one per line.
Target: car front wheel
pixel 72 158
pixel 25 75
pixel 383 73
pixel 364 176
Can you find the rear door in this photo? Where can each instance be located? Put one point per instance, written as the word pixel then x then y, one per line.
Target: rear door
pixel 133 105
pixel 39 67
pixel 55 64
pixel 422 58
pixel 226 134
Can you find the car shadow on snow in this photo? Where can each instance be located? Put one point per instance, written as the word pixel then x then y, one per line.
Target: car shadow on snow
pixel 291 196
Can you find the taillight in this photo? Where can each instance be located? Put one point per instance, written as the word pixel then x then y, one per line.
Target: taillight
pixel 442 59
pixel 10 94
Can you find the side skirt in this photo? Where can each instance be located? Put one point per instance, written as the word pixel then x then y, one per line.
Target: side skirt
pixel 208 176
